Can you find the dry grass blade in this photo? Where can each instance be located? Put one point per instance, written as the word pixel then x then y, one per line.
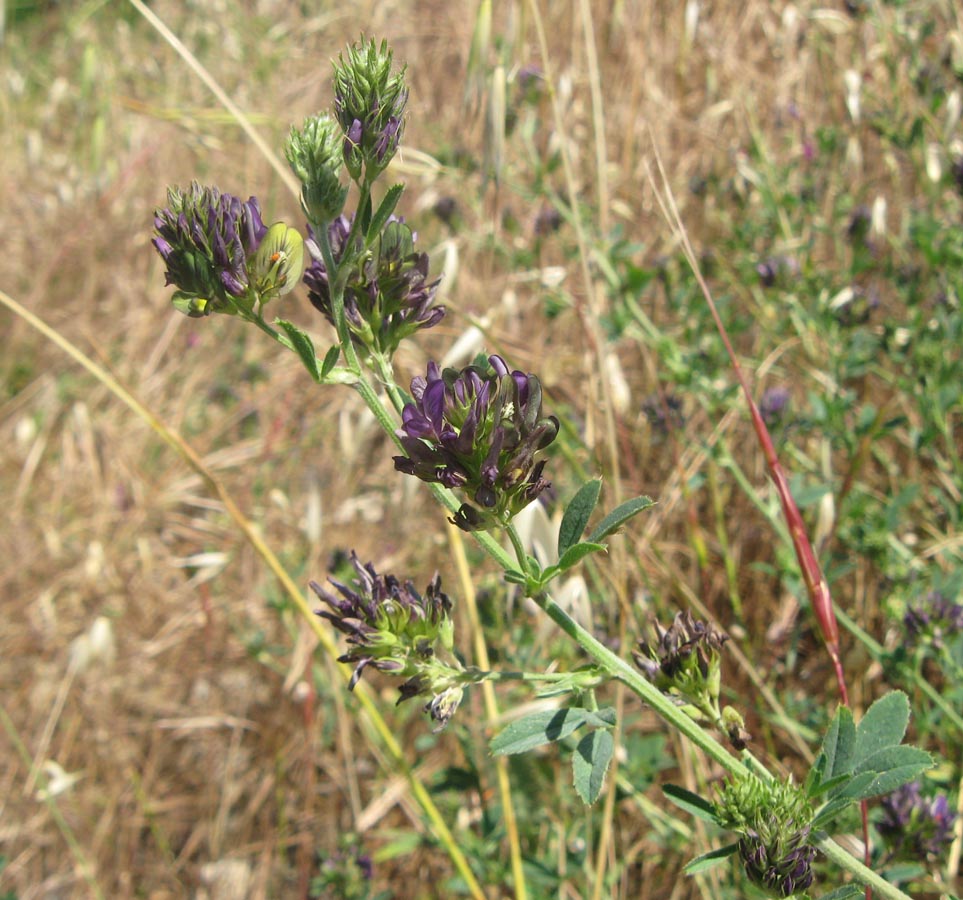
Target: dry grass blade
pixel 176 442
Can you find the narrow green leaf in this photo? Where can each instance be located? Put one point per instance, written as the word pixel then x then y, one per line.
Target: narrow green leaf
pixel 330 360
pixel 829 812
pixel 846 892
pixel 710 859
pixel 384 212
pixel 893 758
pixel 577 514
pixel 885 782
pixel 883 725
pixel 590 762
pixel 827 786
pixel 619 516
pixel 838 746
pixel 546 726
pixel 576 553
pixel 691 803
pixel 513 576
pixel 302 346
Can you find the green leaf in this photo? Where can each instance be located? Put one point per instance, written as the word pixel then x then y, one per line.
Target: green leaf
pixel 384 212
pixel 576 553
pixel 547 726
pixel 691 803
pixel 873 784
pixel 302 346
pixel 883 725
pixel 590 762
pixel 513 576
pixel 330 360
pixel 710 859
pixel 829 812
pixel 619 516
pixel 839 742
pixel 846 892
pixel 894 758
pixel 577 514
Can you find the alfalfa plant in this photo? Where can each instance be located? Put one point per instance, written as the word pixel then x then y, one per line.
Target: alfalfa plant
pixel 477 436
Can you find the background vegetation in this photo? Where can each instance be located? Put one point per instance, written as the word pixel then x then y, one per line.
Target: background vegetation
pixel 167 729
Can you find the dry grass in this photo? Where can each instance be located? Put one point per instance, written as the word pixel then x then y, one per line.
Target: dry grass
pixel 200 750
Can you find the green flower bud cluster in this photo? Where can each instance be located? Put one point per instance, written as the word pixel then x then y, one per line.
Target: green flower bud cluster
pixel 369 104
pixel 774 820
pixel 315 156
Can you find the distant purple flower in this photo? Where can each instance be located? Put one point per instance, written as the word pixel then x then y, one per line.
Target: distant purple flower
pixel 387 294
pixel 916 826
pixel 932 620
pixel 664 412
pixel 777 268
pixel 206 239
pixel 548 220
pixel 773 404
pixel 478 430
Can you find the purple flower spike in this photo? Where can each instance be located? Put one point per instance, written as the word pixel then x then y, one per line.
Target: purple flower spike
pixel 207 239
pixel 478 429
pixel 388 295
pixel 916 827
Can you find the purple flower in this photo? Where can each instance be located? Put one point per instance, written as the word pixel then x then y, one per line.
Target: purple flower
pixel 686 638
pixel 387 294
pixel 916 826
pixel 206 239
pixel 773 404
pixel 478 430
pixel 394 629
pixel 932 620
pixel 781 865
pixel 387 621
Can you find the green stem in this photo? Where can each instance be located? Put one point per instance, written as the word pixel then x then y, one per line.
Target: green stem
pixel 517 546
pixel 831 850
pixel 336 283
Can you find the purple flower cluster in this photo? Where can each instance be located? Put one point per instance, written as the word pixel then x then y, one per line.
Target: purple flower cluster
pixel 478 430
pixel 916 826
pixel 932 620
pixel 387 294
pixel 206 239
pixel 685 643
pixel 386 621
pixel 783 866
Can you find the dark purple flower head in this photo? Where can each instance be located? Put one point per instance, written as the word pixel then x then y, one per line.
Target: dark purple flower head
pixel 478 430
pixel 206 239
pixel 387 621
pixel 933 620
pixel 393 628
pixel 773 404
pixel 685 661
pixel 915 826
pixel 783 867
pixel 388 295
pixel 369 104
pixel 777 268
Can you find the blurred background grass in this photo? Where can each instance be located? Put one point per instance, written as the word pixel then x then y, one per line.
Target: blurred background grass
pixel 151 669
